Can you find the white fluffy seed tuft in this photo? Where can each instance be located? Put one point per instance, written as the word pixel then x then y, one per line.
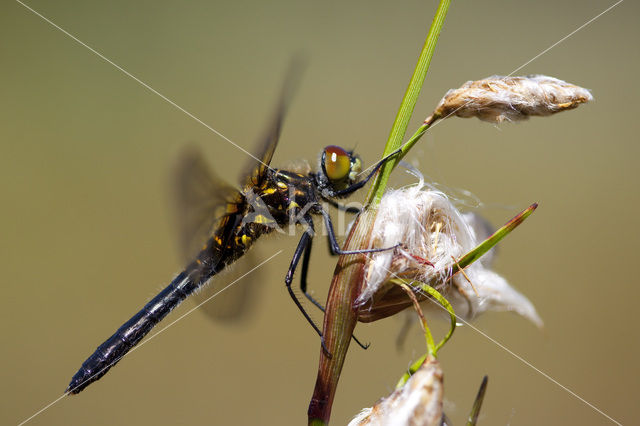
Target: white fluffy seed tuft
pixel 432 233
pixel 418 402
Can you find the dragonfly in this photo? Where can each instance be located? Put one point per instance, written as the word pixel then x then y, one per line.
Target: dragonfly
pixel 269 199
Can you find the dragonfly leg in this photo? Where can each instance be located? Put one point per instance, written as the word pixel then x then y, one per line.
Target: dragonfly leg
pixel 303 286
pixel 333 242
pixel 339 206
pixel 303 275
pixel 305 241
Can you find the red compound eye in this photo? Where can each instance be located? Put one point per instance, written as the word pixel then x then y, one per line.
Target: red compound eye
pixel 336 162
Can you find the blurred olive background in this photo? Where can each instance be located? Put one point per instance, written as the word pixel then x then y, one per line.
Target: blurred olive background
pixel 87 231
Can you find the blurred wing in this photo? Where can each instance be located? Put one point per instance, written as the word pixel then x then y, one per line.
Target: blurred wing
pixel 256 169
pixel 200 200
pixel 237 303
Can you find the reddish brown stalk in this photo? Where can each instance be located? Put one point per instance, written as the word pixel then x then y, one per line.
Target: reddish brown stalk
pixel 340 319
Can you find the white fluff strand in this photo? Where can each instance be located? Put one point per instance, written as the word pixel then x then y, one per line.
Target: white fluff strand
pixel 432 232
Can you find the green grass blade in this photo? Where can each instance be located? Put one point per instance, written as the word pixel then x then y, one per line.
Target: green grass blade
pixel 477 404
pixel 401 122
pixel 487 244
pixel 431 348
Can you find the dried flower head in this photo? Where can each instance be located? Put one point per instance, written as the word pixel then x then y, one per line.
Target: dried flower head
pixel 433 234
pixel 418 402
pixel 497 98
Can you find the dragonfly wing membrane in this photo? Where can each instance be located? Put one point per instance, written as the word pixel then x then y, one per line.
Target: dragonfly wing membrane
pixel 201 201
pixel 204 203
pixel 255 170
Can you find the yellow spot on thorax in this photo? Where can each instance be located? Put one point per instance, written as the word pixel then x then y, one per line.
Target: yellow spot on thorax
pixel 269 191
pixel 262 219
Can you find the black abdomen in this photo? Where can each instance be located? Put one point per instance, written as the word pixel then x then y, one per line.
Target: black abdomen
pixel 131 332
pixel 231 241
pixel 209 262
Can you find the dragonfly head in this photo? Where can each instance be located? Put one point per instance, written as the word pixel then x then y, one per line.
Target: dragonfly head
pixel 340 167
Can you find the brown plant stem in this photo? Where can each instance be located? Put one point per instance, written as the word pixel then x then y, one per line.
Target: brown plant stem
pixel 339 321
pixel 341 315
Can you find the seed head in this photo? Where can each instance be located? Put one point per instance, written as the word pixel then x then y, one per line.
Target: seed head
pixel 432 234
pixel 418 402
pixel 497 98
